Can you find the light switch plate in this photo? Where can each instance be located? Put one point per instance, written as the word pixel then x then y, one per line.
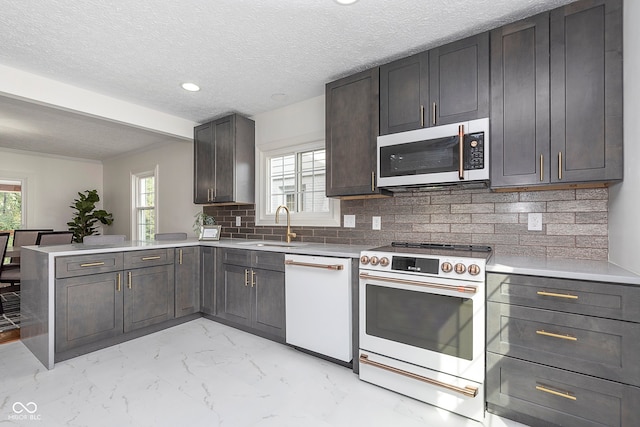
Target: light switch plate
pixel 238 221
pixel 534 222
pixel 376 223
pixel 350 221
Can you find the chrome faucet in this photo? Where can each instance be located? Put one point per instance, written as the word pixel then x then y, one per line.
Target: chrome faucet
pixel 290 235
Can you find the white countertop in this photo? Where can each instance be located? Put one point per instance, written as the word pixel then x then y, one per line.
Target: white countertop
pixel 601 271
pixel 303 248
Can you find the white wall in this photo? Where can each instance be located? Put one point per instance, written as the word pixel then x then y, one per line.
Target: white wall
pixel 624 199
pixel 51 184
pixel 175 187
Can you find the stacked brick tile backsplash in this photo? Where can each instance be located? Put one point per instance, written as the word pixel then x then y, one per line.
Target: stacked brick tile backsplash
pixel 574 222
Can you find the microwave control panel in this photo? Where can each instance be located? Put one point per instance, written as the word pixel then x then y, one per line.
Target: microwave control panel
pixel 474 151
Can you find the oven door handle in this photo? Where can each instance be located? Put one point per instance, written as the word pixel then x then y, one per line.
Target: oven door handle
pixel 468 391
pixel 464 289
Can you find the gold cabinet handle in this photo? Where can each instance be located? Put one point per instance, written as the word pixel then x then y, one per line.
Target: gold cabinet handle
pixel 180 256
pixel 246 277
pixel 461 151
pixel 560 165
pixel 422 116
pixel 468 391
pixel 118 283
pixel 150 258
pixel 541 167
pixel 254 280
pixel 555 295
pixel 433 112
pixel 373 181
pixel 564 394
pixel 129 279
pixel 92 264
pixel 551 334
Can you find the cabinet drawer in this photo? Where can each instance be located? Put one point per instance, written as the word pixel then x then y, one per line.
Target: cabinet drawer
pixel 590 345
pixel 236 257
pixel 138 259
pixel 542 396
pixel 268 260
pixel 610 300
pixel 81 265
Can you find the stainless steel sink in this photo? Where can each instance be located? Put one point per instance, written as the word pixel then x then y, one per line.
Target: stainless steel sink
pixel 273 244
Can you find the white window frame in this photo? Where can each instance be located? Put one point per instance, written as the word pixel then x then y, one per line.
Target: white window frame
pixel 263 154
pixel 8 176
pixel 135 179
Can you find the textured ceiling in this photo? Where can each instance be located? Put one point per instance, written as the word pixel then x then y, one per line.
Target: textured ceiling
pixel 240 52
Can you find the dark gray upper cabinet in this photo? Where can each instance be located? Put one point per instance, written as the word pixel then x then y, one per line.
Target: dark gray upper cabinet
pixel 224 161
pixel 556 107
pixel 445 85
pixel 520 103
pixel 404 94
pixel 459 80
pixel 351 133
pixel 586 91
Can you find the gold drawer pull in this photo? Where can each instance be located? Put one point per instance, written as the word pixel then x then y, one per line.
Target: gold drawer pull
pixel 564 394
pixel 550 334
pixel 92 264
pixel 149 258
pixel 468 391
pixel 552 294
pixel 119 283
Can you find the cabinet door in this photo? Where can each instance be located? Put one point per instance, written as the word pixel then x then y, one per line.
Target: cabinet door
pixel 520 103
pixel 187 280
pixel 233 294
pixel 207 276
pixel 148 296
pixel 404 94
pixel 224 137
pixel 88 309
pixel 459 80
pixel 586 91
pixel 203 153
pixel 351 133
pixel 267 304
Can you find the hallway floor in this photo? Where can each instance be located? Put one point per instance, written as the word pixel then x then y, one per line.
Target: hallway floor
pixel 203 373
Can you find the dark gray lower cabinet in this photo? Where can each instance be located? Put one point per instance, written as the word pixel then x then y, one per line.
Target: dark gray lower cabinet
pixel 207 279
pixel 92 306
pixel 187 280
pixel 562 352
pixel 250 291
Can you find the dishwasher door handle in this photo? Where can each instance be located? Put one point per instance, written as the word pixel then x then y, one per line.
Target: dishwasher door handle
pixel 313 265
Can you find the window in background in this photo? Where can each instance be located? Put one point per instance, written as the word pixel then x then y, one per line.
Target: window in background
pixel 295 178
pixel 11 204
pixel 144 213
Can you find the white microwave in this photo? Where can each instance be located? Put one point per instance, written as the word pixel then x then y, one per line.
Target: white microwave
pixel 440 155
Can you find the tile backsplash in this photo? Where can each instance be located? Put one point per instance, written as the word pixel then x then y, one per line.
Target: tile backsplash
pixel 574 222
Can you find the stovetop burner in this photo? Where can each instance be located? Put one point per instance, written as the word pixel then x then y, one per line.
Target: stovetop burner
pixel 442 246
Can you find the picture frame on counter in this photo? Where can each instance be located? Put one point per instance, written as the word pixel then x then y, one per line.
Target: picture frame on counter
pixel 210 232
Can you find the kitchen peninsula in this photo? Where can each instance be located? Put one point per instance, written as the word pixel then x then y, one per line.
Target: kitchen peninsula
pixel 49 273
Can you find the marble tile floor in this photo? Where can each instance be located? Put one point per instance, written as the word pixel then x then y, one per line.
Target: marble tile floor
pixel 203 373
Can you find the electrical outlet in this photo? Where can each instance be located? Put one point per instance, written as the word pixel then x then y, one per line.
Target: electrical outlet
pixel 376 223
pixel 534 222
pixel 238 221
pixel 350 221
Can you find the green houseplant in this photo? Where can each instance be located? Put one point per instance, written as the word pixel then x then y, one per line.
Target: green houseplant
pixel 86 215
pixel 202 219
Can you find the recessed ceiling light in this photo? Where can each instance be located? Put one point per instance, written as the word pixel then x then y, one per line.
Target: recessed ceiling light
pixel 191 87
pixel 345 2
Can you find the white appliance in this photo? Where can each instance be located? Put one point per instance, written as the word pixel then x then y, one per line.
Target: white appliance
pixel 318 305
pixel 422 323
pixel 451 154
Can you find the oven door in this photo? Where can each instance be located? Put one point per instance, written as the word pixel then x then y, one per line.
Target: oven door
pixel 435 323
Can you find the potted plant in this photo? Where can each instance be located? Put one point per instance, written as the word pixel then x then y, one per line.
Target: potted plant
pixel 204 221
pixel 86 215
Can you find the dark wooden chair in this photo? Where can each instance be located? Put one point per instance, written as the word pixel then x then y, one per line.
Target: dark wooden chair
pixel 4 242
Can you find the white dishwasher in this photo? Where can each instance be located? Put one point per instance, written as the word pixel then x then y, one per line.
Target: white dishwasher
pixel 318 305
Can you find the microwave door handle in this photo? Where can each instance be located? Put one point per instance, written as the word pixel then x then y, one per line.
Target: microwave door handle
pixel 461 151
